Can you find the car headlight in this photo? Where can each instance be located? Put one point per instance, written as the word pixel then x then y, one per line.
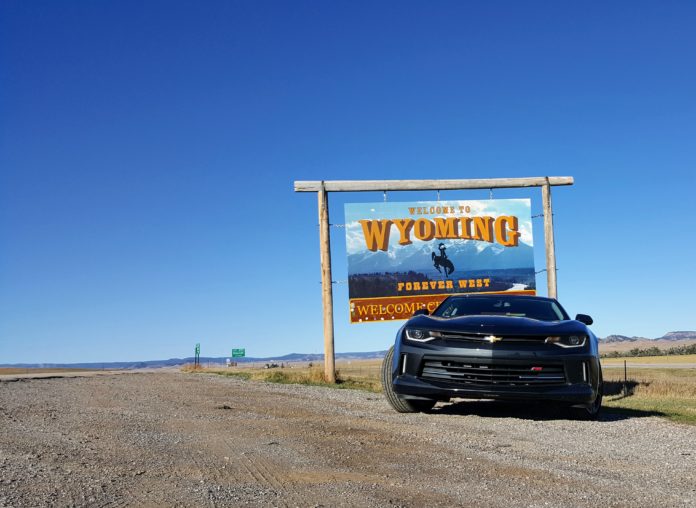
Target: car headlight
pixel 567 340
pixel 420 335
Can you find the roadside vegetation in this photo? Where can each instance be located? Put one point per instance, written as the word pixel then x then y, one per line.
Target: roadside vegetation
pixel 652 351
pixel 355 378
pixel 668 392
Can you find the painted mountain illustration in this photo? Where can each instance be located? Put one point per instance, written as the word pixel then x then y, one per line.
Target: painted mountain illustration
pixel 465 255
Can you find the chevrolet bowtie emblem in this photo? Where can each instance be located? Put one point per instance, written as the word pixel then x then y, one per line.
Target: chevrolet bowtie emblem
pixel 493 338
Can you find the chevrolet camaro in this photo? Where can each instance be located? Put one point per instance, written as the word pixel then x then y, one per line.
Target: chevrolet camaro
pixel 494 346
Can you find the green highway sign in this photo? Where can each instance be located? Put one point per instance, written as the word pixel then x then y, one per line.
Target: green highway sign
pixel 238 353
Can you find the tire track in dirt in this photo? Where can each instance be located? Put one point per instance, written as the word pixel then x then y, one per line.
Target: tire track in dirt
pixel 261 471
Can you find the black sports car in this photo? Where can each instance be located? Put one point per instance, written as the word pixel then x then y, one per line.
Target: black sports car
pixel 494 346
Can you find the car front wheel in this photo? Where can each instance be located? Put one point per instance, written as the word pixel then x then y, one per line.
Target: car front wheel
pixel 591 412
pixel 400 405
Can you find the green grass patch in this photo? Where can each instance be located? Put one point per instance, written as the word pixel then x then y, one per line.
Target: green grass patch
pixel 677 409
pixel 666 392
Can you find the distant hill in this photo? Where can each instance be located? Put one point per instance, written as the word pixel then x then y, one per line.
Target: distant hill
pixel 679 336
pixel 621 338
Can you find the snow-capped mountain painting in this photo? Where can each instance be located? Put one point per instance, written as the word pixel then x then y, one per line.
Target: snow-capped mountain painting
pixel 466 256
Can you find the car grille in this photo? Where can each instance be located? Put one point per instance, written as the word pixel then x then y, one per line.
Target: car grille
pixel 484 337
pixel 493 374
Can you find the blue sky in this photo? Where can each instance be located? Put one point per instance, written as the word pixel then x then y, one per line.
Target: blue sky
pixel 148 152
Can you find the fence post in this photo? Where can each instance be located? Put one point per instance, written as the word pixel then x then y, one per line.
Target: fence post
pixel 625 380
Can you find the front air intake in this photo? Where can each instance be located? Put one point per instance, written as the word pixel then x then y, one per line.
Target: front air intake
pixel 475 373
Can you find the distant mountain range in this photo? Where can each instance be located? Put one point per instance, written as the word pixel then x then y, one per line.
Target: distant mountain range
pixel 611 340
pixel 683 335
pixel 173 362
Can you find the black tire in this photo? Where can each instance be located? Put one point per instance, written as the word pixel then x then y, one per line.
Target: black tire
pixel 592 411
pixel 400 405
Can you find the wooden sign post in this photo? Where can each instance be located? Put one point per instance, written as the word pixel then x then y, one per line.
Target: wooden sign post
pixel 322 188
pixel 326 287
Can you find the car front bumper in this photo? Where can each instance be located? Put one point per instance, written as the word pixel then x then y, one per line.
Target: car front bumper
pixel 494 372
pixel 411 387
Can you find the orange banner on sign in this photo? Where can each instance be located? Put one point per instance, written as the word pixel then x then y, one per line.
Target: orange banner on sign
pixel 398 307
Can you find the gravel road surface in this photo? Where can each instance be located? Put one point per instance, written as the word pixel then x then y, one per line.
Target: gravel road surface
pixel 175 439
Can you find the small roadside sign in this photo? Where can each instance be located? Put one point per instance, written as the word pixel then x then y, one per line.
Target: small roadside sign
pixel 238 353
pixel 197 357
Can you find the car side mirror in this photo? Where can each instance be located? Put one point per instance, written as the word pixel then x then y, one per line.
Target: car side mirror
pixel 421 312
pixel 584 318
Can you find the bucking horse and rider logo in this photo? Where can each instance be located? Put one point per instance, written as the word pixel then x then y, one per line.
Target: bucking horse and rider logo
pixel 442 261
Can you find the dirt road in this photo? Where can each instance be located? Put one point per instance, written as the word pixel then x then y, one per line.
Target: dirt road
pixel 195 440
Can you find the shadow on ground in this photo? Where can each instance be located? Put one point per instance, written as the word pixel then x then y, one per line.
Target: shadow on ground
pixel 620 388
pixel 534 411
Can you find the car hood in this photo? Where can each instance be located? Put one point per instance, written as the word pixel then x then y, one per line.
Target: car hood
pixel 497 325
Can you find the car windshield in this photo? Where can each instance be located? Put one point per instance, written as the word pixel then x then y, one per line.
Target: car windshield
pixel 543 310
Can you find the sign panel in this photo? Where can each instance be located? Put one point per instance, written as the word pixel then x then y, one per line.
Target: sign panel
pixel 238 353
pixel 403 257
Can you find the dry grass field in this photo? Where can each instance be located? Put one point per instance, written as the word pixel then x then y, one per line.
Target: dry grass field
pixel 671 359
